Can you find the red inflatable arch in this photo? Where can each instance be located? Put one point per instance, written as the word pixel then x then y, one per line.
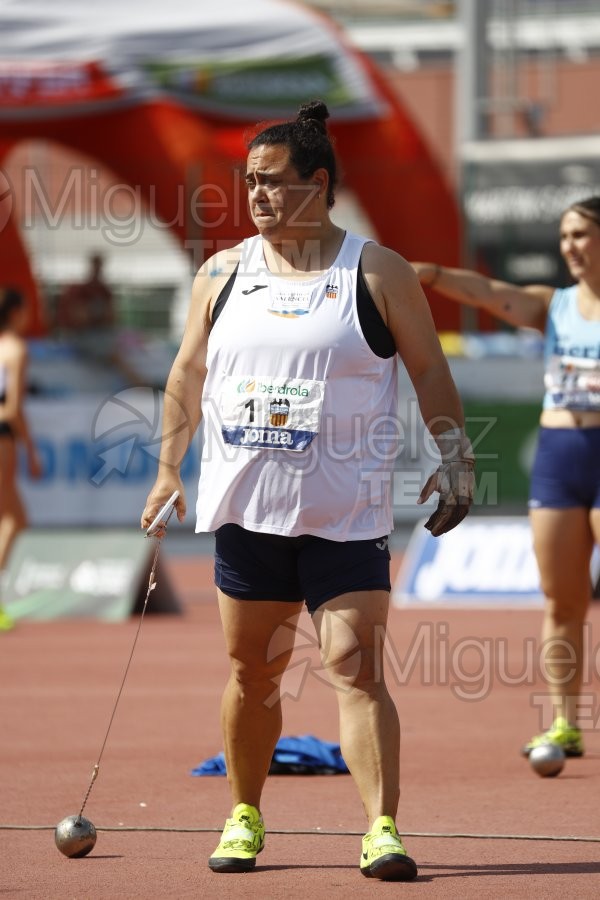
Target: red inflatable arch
pixel 160 92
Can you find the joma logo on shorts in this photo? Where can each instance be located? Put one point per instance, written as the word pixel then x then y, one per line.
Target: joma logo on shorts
pixel 267 436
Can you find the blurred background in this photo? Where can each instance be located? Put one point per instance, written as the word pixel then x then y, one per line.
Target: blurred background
pixel 463 130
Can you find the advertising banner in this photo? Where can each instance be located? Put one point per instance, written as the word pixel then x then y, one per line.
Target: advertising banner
pixel 100 455
pixel 88 573
pixel 484 562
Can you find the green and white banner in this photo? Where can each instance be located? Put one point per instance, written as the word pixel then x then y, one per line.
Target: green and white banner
pixel 100 574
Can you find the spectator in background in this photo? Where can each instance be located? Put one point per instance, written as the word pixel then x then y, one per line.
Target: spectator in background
pixel 86 316
pixel 87 306
pixel 13 424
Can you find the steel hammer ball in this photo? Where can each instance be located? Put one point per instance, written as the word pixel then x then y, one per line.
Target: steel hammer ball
pixel 547 760
pixel 75 836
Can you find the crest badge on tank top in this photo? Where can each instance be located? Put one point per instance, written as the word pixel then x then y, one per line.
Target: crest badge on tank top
pixel 291 303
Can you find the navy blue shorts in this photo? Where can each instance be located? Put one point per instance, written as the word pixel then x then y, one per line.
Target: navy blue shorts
pixel 566 469
pixel 253 566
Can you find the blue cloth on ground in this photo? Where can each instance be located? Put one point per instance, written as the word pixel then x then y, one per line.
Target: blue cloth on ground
pixel 304 755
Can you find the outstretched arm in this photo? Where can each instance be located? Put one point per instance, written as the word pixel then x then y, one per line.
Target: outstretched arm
pixel 523 307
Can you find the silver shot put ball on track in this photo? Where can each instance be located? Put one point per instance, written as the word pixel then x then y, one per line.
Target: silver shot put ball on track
pixel 547 760
pixel 75 836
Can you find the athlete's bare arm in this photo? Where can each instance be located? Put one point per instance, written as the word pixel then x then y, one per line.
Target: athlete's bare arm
pixel 524 307
pixel 183 392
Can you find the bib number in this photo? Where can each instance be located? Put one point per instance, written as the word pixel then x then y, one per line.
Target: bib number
pixel 574 381
pixel 260 412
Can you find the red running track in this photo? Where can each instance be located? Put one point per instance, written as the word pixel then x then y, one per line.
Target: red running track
pixel 461 769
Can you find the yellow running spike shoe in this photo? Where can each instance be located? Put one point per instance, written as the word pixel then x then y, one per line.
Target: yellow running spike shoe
pixel 567 737
pixel 383 854
pixel 6 623
pixel 242 839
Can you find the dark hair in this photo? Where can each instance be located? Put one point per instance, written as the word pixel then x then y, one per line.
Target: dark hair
pixel 588 208
pixel 10 300
pixel 308 142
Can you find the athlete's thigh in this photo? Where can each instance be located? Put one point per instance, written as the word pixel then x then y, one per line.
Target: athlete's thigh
pixel 563 542
pixel 351 630
pixel 259 634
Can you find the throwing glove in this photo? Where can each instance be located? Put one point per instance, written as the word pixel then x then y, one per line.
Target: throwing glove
pixel 454 480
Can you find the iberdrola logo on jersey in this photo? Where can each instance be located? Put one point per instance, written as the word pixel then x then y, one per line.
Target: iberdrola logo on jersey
pixel 252 386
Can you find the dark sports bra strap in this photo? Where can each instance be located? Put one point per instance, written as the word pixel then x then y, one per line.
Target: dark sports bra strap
pixel 376 332
pixel 224 295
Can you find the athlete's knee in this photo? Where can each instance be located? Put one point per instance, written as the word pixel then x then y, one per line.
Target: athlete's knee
pixel 567 609
pixel 252 669
pixel 357 669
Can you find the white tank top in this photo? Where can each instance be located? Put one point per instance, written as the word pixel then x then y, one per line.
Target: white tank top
pixel 300 426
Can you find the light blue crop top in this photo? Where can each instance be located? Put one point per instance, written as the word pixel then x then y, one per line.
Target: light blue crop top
pixel 572 355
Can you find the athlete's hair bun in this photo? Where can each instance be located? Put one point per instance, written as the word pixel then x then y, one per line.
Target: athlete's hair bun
pixel 314 113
